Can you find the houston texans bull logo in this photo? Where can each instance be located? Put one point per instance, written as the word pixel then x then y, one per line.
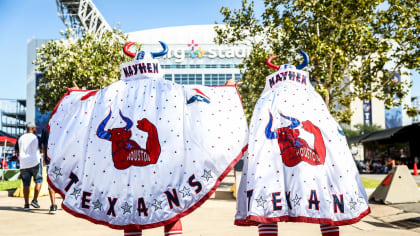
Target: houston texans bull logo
pixel 126 152
pixel 293 148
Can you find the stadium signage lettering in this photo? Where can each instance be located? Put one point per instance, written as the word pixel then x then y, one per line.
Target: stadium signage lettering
pixel 180 54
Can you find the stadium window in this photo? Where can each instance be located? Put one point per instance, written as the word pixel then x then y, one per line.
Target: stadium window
pixel 177 78
pixel 191 79
pixel 198 79
pixel 168 77
pixel 207 79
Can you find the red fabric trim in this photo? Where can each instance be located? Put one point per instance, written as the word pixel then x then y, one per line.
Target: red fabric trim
pixel 148 226
pixel 237 91
pixel 245 223
pixel 255 220
pixel 91 93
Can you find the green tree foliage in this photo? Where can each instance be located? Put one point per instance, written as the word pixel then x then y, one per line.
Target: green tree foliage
pixel 360 129
pixel 91 62
pixel 354 46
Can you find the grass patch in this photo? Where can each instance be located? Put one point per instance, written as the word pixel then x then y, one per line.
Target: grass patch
pixel 370 183
pixel 6 185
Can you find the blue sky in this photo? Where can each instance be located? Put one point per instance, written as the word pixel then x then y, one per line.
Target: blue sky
pixel 22 20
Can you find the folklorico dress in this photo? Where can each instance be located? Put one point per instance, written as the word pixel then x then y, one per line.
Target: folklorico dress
pixel 299 167
pixel 144 151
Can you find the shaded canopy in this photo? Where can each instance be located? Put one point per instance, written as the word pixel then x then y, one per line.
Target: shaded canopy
pixel 7 137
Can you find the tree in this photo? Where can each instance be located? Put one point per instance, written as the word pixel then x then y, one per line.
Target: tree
pixel 91 62
pixel 360 129
pixel 355 47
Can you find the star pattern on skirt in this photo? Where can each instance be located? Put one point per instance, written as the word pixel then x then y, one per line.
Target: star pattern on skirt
pixel 185 191
pixel 296 200
pixel 361 200
pixel 57 171
pixel 352 204
pixel 97 205
pixel 261 202
pixel 127 208
pixel 207 175
pixel 157 204
pixel 76 193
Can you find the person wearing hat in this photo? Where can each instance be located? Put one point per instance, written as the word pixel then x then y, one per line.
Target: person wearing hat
pixel 29 156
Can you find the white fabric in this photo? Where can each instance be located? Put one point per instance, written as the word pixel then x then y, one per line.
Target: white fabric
pixel 29 154
pixel 302 153
pixel 201 132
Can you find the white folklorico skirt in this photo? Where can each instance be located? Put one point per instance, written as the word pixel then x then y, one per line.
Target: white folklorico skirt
pixel 299 167
pixel 143 153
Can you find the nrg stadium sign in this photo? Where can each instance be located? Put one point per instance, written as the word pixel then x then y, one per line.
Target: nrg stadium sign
pixel 195 51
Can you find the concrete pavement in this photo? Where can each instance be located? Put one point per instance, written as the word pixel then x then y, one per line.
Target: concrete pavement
pixel 214 217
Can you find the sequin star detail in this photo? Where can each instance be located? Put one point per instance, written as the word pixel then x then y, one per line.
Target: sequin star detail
pixel 296 200
pixel 185 191
pixel 261 202
pixel 361 200
pixel 97 205
pixel 352 204
pixel 207 175
pixel 157 204
pixel 127 208
pixel 57 171
pixel 76 193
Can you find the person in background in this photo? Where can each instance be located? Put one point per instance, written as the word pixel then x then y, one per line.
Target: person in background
pixel 44 141
pixel 29 157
